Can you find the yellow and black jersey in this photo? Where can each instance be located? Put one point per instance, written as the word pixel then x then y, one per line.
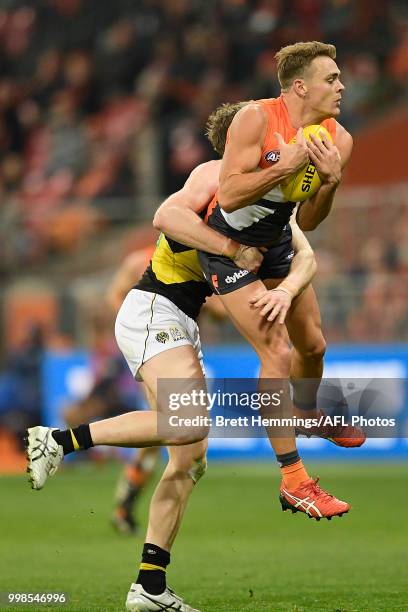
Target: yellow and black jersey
pixel 175 273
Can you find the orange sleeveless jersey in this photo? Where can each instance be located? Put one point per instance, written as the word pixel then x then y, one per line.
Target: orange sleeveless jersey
pixel 279 121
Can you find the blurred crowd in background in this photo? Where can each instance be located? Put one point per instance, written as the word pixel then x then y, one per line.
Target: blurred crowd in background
pixel 82 81
pixel 103 107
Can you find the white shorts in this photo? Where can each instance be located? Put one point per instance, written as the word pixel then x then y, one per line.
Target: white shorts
pixel 148 324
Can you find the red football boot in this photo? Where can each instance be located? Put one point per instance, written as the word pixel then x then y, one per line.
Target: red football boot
pixel 346 436
pixel 309 498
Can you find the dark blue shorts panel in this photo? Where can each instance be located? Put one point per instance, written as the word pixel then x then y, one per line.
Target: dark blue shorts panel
pixel 224 276
pixel 277 260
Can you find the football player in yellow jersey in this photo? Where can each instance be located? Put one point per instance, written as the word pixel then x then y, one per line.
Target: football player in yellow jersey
pixel 104 399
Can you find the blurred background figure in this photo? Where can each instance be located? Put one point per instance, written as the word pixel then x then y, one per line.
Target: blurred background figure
pixel 114 392
pixel 20 383
pixel 20 396
pixel 102 115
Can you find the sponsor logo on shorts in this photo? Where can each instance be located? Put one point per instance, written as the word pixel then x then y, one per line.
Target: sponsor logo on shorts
pixel 162 337
pixel 290 255
pixel 236 276
pixel 176 334
pixel 272 156
pixel 214 280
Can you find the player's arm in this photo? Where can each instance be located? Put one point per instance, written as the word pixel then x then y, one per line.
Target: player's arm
pixel 330 160
pixel 303 267
pixel 275 303
pixel 241 181
pixel 129 272
pixel 178 218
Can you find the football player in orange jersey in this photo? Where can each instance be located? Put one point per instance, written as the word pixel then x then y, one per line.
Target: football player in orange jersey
pixel 251 208
pixel 301 315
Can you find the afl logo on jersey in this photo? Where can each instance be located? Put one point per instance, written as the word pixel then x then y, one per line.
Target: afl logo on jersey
pixel 272 156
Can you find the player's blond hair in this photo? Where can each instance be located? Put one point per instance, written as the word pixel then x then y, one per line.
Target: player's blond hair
pixel 218 124
pixel 293 60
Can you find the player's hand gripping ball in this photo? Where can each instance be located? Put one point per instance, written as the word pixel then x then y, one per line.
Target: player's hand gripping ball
pixel 304 183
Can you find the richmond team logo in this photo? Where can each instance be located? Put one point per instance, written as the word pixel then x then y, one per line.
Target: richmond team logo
pixel 272 156
pixel 162 337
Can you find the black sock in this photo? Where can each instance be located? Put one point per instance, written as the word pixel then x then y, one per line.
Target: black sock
pixel 153 579
pixel 288 458
pixel 78 438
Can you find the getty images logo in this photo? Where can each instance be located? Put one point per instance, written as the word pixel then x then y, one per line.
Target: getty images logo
pixel 236 276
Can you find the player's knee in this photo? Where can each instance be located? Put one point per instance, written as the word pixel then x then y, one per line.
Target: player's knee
pixel 189 436
pixel 315 350
pixel 277 354
pixel 184 463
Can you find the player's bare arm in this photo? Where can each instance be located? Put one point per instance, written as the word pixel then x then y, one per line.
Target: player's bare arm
pixel 275 303
pixel 129 272
pixel 330 160
pixel 303 267
pixel 241 181
pixel 178 218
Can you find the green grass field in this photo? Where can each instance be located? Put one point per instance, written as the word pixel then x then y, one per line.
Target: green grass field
pixel 236 550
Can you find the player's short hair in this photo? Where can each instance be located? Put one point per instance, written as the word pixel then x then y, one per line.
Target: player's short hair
pixel 218 123
pixel 293 60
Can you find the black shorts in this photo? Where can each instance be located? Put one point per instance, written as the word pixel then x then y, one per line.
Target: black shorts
pixel 224 276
